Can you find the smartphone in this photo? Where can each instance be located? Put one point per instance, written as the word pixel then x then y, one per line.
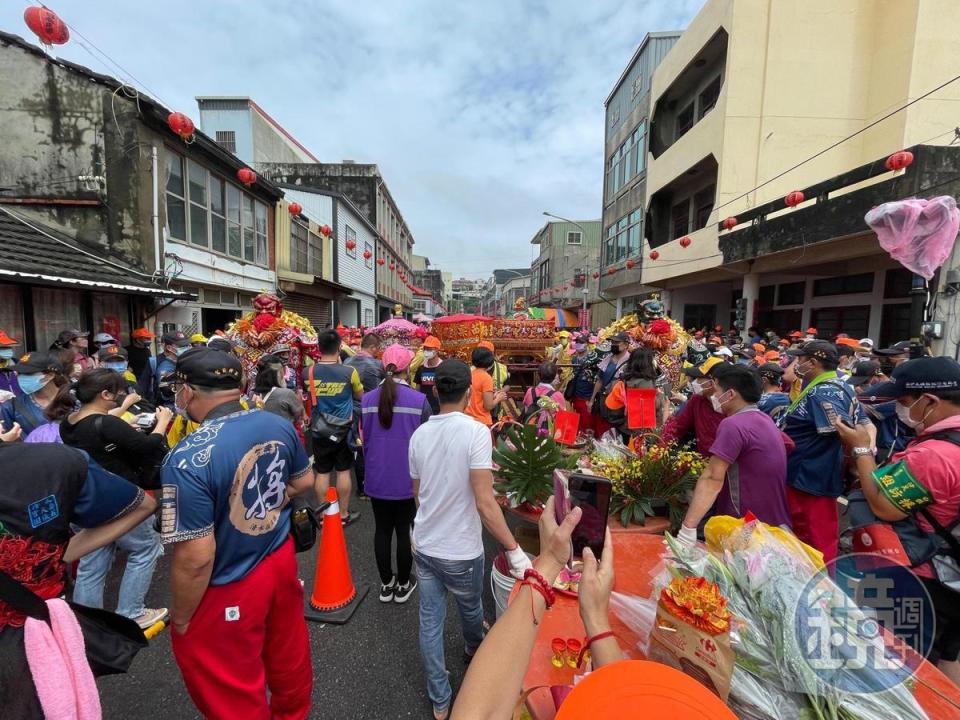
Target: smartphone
pixel 592 495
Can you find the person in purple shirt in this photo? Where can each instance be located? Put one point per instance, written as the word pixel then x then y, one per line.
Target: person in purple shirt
pixel 390 414
pixel 747 471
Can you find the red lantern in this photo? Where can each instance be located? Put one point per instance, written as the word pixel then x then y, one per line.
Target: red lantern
pixel 393 266
pixel 180 124
pixel 729 223
pixel 247 176
pixel 325 230
pixel 612 271
pixel 793 199
pixel 654 254
pixel 899 160
pixel 367 254
pixel 380 261
pixel 351 245
pixel 685 241
pixel 294 208
pixel 46 25
pixel 631 264
pixel 595 275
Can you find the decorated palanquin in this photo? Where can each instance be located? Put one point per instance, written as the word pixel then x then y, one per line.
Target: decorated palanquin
pixel 522 337
pixel 268 328
pixel 398 330
pixel 460 334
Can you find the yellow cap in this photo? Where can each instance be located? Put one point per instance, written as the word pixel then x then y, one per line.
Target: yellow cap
pixel 197 337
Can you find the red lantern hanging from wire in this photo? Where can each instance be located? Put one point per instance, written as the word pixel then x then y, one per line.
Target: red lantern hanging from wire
pixel 685 241
pixel 595 275
pixel 295 208
pixel 393 266
pixel 46 25
pixel 899 160
pixel 181 125
pixel 654 254
pixel 612 271
pixel 793 199
pixel 380 261
pixel 631 264
pixel 729 223
pixel 351 245
pixel 247 176
pixel 367 254
pixel 325 230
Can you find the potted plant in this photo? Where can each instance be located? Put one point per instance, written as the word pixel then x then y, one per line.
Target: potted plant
pixel 527 457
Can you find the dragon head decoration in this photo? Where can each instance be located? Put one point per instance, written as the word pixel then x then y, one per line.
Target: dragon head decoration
pixel 267 304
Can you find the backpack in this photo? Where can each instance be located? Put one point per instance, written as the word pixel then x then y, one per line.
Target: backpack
pixel 600 402
pixel 533 409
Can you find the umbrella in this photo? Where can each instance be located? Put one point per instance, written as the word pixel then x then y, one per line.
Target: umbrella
pixel 397 324
pixel 462 318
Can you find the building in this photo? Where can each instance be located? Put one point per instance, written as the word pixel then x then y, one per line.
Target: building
pixel 109 219
pixel 747 109
pixel 513 290
pixel 426 305
pixel 627 113
pixel 492 298
pixel 243 128
pixel 569 255
pixel 465 295
pixel 429 279
pixel 447 278
pixel 366 189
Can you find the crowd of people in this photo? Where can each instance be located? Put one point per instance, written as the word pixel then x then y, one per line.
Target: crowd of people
pixel 103 435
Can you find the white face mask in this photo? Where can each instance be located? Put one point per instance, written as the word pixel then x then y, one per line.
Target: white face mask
pixel 699 386
pixel 718 401
pixel 903 415
pixel 429 354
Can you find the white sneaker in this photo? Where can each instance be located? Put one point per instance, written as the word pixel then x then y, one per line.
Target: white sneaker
pixel 386 591
pixel 150 617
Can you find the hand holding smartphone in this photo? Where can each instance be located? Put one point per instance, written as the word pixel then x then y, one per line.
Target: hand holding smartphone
pixel 592 495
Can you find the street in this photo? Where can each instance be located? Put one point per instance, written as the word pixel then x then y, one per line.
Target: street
pixel 369 668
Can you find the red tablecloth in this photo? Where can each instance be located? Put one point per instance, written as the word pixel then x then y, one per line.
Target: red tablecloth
pixel 636 556
pixel 654 525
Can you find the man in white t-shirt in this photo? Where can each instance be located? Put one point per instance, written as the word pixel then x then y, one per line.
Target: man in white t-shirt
pixel 451 466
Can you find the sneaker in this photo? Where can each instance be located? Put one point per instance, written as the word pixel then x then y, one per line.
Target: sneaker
pixel 441 714
pixel 150 617
pixel 403 592
pixel 349 518
pixel 387 591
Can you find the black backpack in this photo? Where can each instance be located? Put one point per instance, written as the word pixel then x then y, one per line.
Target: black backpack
pixel 531 410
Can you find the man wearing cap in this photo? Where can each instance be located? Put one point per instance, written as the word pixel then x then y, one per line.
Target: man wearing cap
pixel 8 378
pixel 608 372
pixel 423 378
pixel 697 415
pixel 174 345
pixel 451 466
pixel 237 606
pixel 815 467
pixel 76 341
pixel 100 341
pixel 893 356
pixel 892 435
pixel 143 363
pixel 370 371
pixel 583 378
pixel 198 340
pixel 773 401
pixel 923 481
pixel 40 376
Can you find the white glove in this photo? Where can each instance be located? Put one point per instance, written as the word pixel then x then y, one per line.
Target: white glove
pixel 519 562
pixel 687 536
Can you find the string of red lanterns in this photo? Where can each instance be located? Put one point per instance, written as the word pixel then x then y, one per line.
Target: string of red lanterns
pixel 295 208
pixel 247 176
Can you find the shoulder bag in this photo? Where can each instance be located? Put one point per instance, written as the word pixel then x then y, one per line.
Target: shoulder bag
pixel 324 427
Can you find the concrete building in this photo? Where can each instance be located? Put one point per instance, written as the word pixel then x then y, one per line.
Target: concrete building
pixel 465 295
pixel 569 255
pixel 243 128
pixel 758 99
pixel 367 190
pixel 513 289
pixel 429 279
pixel 494 289
pixel 627 113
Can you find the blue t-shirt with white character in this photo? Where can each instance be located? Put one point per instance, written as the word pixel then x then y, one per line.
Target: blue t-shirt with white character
pixel 816 463
pixel 229 478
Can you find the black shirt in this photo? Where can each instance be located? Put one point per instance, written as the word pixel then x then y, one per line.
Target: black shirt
pixel 424 379
pixel 117 447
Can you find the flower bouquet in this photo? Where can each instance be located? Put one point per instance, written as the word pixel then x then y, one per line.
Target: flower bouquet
pixel 656 476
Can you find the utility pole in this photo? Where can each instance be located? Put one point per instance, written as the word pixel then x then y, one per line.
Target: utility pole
pixel 918 301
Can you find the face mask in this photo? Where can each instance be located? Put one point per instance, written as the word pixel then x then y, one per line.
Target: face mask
pixel 6 353
pixel 615 349
pixel 800 370
pixel 604 347
pixel 117 367
pixel 743 361
pixel 697 387
pixel 903 414
pixel 718 402
pixel 181 350
pixel 429 354
pixel 32 383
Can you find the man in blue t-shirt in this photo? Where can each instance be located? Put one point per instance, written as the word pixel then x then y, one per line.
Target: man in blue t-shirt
pixel 331 389
pixel 237 609
pixel 773 401
pixel 815 467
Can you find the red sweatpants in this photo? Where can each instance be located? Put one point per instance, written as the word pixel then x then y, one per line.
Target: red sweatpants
pixel 815 521
pixel 581 406
pixel 228 664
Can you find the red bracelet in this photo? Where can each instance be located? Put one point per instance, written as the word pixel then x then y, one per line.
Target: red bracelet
pixel 591 641
pixel 545 588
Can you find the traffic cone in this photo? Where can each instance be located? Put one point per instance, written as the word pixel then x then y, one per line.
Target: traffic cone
pixel 334 597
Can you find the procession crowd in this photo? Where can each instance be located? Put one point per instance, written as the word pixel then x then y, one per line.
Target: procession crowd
pixel 111 447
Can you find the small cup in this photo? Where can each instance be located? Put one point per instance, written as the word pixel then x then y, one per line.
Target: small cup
pixel 559 647
pixel 573 651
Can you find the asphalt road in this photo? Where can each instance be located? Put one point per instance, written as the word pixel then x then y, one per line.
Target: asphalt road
pixel 368 668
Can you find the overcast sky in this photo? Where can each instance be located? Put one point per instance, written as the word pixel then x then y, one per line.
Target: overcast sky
pixel 481 115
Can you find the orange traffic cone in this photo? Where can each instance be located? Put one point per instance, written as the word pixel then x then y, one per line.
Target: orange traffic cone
pixel 334 597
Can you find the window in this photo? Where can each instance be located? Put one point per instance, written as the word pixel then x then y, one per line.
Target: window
pixel 198 205
pixel 640 144
pixel 894 323
pixel 368 317
pixel 315 263
pixel 176 198
pixel 623 237
pixel 368 261
pixel 792 293
pixel 574 238
pixel 853 320
pixel 234 242
pixel 699 316
pixel 703 206
pixel 633 232
pixel 610 244
pixel 897 283
pixel 708 98
pixel 637 84
pixel 249 241
pixel 227 139
pixel 350 241
pixel 218 221
pixel 627 161
pixel 54 310
pixel 684 121
pixel 260 226
pixel 680 218
pixel 299 247
pixel 844 285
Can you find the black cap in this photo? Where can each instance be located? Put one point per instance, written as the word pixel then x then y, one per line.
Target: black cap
pixel 66 336
pixel 111 352
pixel 38 362
pixel 452 376
pixel 221 344
pixel 208 368
pixel 177 339
pixel 929 374
pixel 619 338
pixel 819 349
pixel 771 371
pixel 864 371
pixel 898 348
pixel 745 352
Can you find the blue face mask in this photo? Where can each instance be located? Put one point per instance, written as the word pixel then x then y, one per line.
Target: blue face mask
pixel 31 383
pixel 181 350
pixel 6 353
pixel 117 367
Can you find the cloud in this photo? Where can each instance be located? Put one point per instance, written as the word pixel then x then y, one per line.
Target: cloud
pixel 480 115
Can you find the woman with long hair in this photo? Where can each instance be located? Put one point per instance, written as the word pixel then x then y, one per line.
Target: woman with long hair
pixel 40 376
pixel 131 454
pixel 640 371
pixel 390 415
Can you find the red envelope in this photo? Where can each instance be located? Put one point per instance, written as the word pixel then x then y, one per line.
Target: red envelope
pixel 641 408
pixel 566 425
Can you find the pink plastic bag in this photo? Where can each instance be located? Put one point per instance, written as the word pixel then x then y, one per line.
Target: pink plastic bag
pixel 919 234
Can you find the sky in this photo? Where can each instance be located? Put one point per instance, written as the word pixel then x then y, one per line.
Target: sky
pixel 481 115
